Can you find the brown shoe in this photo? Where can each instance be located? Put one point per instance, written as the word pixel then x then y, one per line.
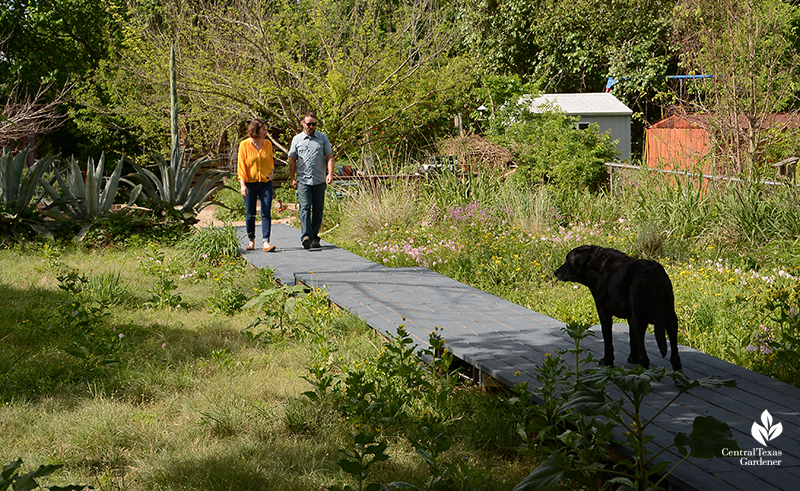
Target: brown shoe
pixel 251 246
pixel 269 248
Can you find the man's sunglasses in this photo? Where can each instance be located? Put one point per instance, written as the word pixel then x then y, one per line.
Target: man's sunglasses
pixel 310 124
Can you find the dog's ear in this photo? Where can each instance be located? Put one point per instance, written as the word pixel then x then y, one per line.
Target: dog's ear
pixel 580 256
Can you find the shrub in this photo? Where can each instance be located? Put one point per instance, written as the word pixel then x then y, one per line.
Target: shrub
pixel 548 148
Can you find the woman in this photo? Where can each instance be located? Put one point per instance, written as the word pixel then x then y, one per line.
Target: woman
pixel 256 170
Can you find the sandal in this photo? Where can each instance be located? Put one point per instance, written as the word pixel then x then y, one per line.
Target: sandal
pixel 251 246
pixel 269 248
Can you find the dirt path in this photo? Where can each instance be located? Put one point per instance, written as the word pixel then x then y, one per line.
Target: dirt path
pixel 206 219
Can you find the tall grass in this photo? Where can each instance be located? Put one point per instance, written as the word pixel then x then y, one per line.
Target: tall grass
pixel 374 206
pixel 210 243
pixel 728 249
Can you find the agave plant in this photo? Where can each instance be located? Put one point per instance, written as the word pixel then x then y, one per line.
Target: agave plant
pixel 175 188
pixel 84 199
pixel 17 187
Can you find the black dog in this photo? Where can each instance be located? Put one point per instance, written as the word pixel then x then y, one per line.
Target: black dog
pixel 638 290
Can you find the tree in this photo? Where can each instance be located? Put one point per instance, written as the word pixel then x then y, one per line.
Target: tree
pixel 23 116
pixel 47 45
pixel 751 50
pixel 375 72
pixel 575 45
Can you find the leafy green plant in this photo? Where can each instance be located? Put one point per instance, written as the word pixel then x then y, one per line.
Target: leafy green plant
pixel 84 198
pixel 591 398
pixel 227 298
pixel 10 477
pixel 366 452
pixel 277 303
pixel 18 186
pixel 784 346
pixel 164 293
pixel 80 317
pixel 174 188
pixel 548 148
pixel 321 380
pixel 232 206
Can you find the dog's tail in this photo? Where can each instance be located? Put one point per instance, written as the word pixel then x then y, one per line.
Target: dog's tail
pixel 661 335
pixel 659 329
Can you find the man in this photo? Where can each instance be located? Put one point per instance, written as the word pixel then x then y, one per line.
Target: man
pixel 311 159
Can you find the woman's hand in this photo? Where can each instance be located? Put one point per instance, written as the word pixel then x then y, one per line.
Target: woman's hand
pixel 243 188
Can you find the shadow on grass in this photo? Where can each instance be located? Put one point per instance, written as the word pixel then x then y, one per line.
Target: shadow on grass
pixel 45 353
pixel 274 466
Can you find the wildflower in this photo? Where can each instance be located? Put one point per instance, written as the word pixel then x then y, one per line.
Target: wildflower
pixel 121 335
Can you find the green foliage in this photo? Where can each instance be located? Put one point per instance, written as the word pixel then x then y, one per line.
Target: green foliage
pixel 81 195
pixel 109 288
pixel 174 187
pixel 136 229
pixel 164 293
pixel 227 297
pixel 783 345
pixel 751 50
pixel 577 400
pixel 81 316
pixel 367 451
pixel 537 40
pixel 17 186
pixel 548 148
pixel 278 304
pixel 231 207
pixel 392 73
pixel 212 244
pixel 395 388
pixel 10 477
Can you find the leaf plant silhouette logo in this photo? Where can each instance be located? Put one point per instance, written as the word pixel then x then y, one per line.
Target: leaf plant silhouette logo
pixel 766 431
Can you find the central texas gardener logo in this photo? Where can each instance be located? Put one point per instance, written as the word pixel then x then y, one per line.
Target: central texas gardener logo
pixel 766 431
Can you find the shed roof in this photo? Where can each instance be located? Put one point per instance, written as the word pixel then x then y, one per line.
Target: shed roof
pixel 774 120
pixel 591 104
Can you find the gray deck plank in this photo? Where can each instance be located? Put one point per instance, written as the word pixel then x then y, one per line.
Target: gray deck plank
pixel 502 338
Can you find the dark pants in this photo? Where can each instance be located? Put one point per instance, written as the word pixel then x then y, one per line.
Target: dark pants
pixel 311 199
pixel 261 192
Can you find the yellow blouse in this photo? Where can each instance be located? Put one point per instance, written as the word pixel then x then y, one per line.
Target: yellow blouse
pixel 254 165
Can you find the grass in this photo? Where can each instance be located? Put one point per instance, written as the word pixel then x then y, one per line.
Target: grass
pixel 729 251
pixel 198 399
pixel 96 373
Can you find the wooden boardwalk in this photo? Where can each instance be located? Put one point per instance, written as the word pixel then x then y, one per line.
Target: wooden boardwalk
pixel 500 339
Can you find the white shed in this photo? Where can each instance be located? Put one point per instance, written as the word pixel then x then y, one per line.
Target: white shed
pixel 599 107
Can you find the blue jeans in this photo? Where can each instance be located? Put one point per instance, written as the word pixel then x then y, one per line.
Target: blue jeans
pixel 311 199
pixel 262 192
